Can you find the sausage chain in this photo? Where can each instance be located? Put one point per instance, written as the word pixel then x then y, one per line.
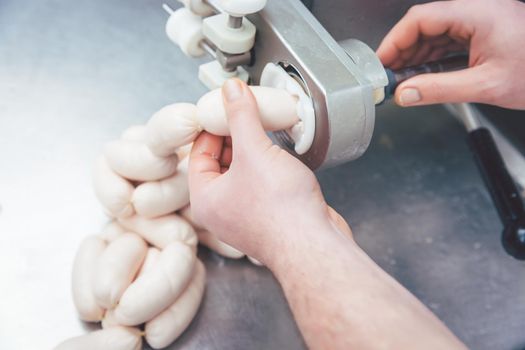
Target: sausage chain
pixel 141 276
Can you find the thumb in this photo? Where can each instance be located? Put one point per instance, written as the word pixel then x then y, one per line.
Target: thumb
pixel 467 85
pixel 243 117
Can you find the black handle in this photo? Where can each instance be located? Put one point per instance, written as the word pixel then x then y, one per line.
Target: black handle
pixel 503 190
pixel 447 64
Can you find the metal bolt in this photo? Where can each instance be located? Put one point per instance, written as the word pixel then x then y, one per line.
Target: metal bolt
pixel 234 22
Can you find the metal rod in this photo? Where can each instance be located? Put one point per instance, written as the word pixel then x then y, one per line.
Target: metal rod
pixel 168 9
pixel 468 116
pixel 209 48
pixel 497 178
pixel 234 22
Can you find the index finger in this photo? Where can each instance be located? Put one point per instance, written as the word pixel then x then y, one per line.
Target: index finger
pixel 430 20
pixel 205 159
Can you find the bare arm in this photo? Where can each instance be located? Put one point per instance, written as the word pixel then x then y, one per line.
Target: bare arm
pixel 342 300
pixel 264 202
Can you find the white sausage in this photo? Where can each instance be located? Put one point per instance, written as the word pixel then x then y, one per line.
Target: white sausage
pixel 186 214
pixel 117 267
pixel 109 320
pixel 112 231
pixel 169 325
pixel 116 338
pixel 157 198
pixel 184 165
pixel 157 289
pixel 149 262
pixel 134 133
pixel 134 161
pixel 184 151
pixel 172 127
pixel 163 230
pixel 83 268
pixel 151 259
pixel 278 110
pixel 211 241
pixel 113 191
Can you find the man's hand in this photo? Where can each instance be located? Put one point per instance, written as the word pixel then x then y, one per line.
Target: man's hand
pixel 261 200
pixel 251 193
pixel 492 31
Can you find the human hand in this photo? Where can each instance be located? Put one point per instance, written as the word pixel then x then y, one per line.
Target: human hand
pixel 491 30
pixel 252 194
pixel 261 200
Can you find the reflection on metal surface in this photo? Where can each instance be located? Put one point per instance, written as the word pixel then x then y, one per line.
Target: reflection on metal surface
pixel 65 93
pixel 342 94
pixel 514 160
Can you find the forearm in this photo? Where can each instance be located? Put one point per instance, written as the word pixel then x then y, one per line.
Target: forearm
pixel 342 300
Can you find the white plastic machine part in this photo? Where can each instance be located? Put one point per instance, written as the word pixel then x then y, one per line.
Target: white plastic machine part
pixel 228 39
pixel 303 132
pixel 230 31
pixel 198 7
pixel 184 28
pixel 240 8
pixel 213 76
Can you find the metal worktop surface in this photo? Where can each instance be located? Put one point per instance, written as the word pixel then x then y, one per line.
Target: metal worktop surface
pixel 74 74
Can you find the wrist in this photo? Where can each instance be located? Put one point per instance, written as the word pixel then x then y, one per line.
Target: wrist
pixel 307 244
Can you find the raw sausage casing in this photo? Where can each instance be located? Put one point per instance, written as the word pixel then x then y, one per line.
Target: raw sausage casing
pixel 159 287
pixel 157 198
pixel 277 108
pixel 115 338
pixel 163 230
pixel 83 269
pixel 117 267
pixel 169 325
pixel 172 127
pixel 134 161
pixel 113 191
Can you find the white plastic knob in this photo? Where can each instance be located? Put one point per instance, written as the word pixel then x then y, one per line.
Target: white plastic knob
pixel 184 28
pixel 198 7
pixel 213 76
pixel 227 39
pixel 240 8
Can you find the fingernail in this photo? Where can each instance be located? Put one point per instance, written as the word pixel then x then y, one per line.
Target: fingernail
pixel 232 90
pixel 409 96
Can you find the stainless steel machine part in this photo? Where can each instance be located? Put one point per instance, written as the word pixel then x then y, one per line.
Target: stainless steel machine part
pixel 208 48
pixel 234 22
pixel 502 187
pixel 473 119
pixel 344 83
pixel 467 115
pixel 513 158
pixel 343 93
pixel 230 62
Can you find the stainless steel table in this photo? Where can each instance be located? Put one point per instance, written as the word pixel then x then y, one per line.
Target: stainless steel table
pixel 74 74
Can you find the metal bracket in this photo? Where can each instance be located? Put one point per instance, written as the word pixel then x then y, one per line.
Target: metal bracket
pixel 288 34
